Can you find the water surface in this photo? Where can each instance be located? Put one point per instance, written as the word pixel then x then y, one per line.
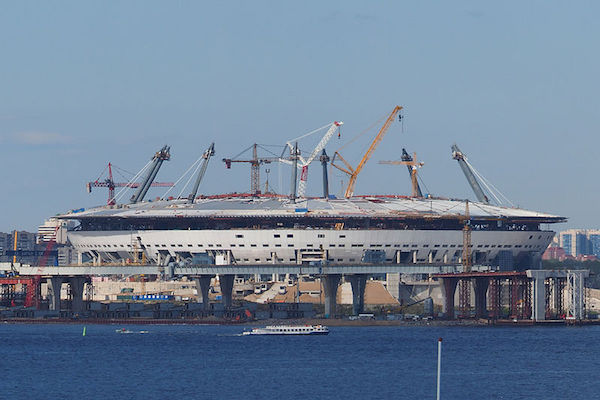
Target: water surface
pixel 214 362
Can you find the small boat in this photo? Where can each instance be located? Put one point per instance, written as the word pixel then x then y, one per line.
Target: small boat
pixel 289 330
pixel 127 331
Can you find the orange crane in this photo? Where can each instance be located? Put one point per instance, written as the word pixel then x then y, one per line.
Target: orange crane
pixel 353 172
pixel 111 184
pixel 414 165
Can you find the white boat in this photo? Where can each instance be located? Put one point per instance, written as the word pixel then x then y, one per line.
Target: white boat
pixel 289 330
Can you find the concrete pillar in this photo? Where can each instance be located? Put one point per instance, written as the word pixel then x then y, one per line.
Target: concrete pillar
pixel 448 286
pixel 480 286
pixel 539 299
pixel 555 296
pixel 203 286
pixel 358 282
pixel 330 286
pixel 538 306
pixel 77 283
pixel 54 286
pixel 226 283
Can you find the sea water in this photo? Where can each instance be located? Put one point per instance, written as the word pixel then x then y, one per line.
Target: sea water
pixel 47 361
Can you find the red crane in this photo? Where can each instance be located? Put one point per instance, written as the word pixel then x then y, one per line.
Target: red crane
pixel 111 184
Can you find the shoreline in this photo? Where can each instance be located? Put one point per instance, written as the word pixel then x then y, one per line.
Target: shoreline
pixel 312 321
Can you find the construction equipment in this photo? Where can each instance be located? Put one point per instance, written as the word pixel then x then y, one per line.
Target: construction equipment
pixel 353 172
pixel 109 183
pixel 413 166
pixel 465 284
pixel 467 170
pixel 294 155
pixel 43 261
pixel 407 157
pixel 255 163
pixel 320 146
pixel 466 251
pixel 15 241
pixel 324 160
pixel 157 160
pixel 205 159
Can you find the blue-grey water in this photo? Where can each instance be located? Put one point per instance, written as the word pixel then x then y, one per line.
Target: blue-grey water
pixel 213 362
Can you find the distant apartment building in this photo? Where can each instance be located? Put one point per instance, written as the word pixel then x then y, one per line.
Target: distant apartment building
pixel 579 242
pixel 25 242
pixel 53 230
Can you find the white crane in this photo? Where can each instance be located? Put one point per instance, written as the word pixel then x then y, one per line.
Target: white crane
pixel 303 164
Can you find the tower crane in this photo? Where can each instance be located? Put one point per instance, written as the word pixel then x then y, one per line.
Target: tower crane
pixel 353 172
pixel 413 165
pixel 111 184
pixel 255 163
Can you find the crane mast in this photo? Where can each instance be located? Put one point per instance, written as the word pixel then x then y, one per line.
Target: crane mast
pixel 111 184
pixel 324 160
pixel 407 157
pixel 461 158
pixel 157 160
pixel 205 158
pixel 466 253
pixel 320 146
pixel 413 166
pixel 255 164
pixel 353 172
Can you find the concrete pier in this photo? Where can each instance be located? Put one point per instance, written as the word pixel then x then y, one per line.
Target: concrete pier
pixel 330 286
pixel 77 283
pixel 203 286
pixel 358 282
pixel 226 283
pixel 480 286
pixel 448 286
pixel 539 293
pixel 54 287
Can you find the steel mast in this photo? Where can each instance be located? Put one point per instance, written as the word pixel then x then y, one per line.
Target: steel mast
pixel 206 157
pixel 157 160
pixel 461 158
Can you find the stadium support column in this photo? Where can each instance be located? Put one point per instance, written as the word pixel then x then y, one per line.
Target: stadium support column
pixel 330 286
pixel 226 283
pixel 480 285
pixel 358 283
pixel 54 286
pixel 448 286
pixel 203 286
pixel 77 283
pixel 539 294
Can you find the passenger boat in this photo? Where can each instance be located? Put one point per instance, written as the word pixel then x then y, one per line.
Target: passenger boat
pixel 289 330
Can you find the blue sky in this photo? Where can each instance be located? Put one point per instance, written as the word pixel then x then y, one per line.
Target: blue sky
pixel 514 84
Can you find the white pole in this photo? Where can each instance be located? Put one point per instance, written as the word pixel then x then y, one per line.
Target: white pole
pixel 439 367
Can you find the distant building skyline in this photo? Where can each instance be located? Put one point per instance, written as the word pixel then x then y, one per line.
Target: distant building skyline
pixel 579 244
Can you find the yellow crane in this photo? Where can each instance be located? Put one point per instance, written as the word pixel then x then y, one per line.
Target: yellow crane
pixel 414 166
pixel 353 172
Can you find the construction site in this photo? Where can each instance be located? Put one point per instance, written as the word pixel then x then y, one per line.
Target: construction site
pixel 261 254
